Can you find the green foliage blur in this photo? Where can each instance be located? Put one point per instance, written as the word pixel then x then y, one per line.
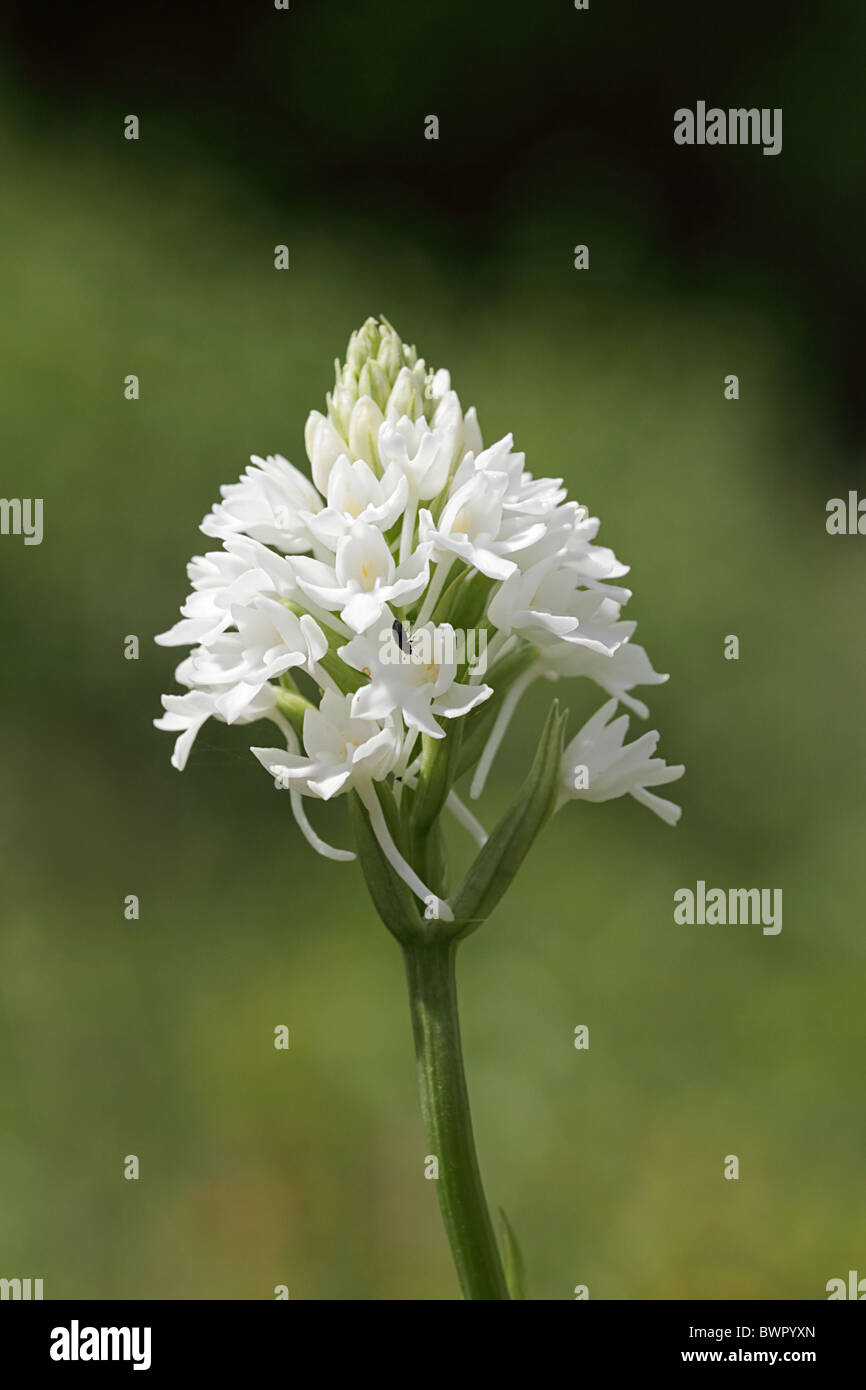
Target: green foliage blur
pixel 155 1037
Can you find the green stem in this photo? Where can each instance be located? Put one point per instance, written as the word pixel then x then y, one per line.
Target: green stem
pixel 445 1107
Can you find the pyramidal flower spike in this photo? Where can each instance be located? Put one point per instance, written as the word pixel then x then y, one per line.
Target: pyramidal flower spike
pixel 420 582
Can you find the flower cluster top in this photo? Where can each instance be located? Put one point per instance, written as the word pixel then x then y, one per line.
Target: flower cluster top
pixel 418 580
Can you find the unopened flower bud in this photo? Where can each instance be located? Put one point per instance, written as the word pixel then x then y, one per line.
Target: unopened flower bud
pixel 341 402
pixel 407 397
pixel 363 431
pixel 324 446
pixel 374 382
pixel 471 432
pixel 391 356
pixel 363 344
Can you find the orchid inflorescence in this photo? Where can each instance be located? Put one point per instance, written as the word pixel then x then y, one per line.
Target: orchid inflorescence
pixel 387 616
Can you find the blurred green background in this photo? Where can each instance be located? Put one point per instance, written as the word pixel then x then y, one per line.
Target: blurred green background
pixel 155 1037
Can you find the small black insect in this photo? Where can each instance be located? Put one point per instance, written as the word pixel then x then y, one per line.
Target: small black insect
pixel 401 637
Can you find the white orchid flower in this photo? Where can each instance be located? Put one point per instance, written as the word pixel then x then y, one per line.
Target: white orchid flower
pixel 268 504
pixel 617 674
pixel 343 753
pixel 544 601
pixel 355 493
pixel 364 578
pixel 185 715
pixel 269 640
pixel 598 765
pixel 415 676
pixel 421 453
pixel 472 527
pixel 245 569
